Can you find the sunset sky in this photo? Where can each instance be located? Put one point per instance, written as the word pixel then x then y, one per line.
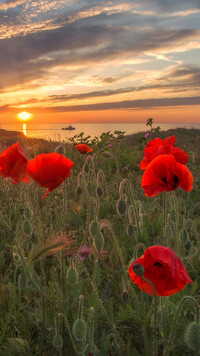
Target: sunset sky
pixel 100 61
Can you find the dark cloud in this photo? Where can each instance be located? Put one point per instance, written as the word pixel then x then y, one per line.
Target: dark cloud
pixel 130 104
pixel 170 5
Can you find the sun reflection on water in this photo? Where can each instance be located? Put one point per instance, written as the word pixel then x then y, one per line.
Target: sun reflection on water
pixel 24 129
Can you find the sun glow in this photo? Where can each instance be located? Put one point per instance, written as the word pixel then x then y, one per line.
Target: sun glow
pixel 24 116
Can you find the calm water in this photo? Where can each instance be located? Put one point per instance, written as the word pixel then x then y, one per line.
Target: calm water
pixel 55 132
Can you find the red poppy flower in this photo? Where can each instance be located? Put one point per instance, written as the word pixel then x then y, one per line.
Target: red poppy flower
pixel 164 173
pixel 164 269
pixel 157 147
pixel 83 148
pixel 49 170
pixel 13 163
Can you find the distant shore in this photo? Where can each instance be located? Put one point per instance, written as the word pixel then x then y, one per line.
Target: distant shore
pixel 9 133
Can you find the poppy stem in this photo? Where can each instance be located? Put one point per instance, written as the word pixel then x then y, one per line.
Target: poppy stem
pixel 176 222
pixel 95 290
pixel 166 350
pixel 123 182
pixel 164 209
pixel 154 346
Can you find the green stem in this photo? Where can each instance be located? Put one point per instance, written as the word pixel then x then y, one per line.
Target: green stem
pixel 154 348
pixel 176 223
pixel 102 306
pixel 164 209
pixel 125 181
pixel 171 336
pixel 12 309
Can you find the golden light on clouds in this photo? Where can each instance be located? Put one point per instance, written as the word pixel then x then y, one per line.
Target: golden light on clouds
pixel 24 116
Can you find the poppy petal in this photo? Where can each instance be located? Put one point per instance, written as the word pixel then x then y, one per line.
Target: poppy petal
pixel 164 173
pixel 164 269
pixel 13 163
pixel 181 156
pixel 49 170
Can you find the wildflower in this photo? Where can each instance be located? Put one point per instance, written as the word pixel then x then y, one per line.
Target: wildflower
pixel 147 135
pixel 158 146
pixel 49 170
pixel 85 252
pixel 163 268
pixel 83 148
pixel 13 163
pixel 164 173
pixel 110 146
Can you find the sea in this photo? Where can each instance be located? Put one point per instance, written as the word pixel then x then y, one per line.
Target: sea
pixel 54 131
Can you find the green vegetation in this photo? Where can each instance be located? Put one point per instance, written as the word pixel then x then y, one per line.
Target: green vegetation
pixel 54 303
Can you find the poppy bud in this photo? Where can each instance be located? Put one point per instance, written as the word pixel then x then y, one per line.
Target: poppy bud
pixel 106 154
pixel 86 168
pixel 94 227
pixel 78 191
pixel 60 149
pixel 99 191
pixel 168 231
pixel 124 295
pixel 130 229
pixel 58 341
pixel 184 236
pixel 138 269
pixel 192 336
pixel 72 275
pixel 121 207
pixel 27 228
pixel 98 241
pixel 79 329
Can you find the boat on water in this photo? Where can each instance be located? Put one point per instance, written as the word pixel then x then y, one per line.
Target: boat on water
pixel 70 127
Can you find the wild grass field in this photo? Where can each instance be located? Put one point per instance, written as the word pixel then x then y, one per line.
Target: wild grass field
pixel 65 285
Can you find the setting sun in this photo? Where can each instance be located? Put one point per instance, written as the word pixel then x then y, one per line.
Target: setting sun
pixel 24 116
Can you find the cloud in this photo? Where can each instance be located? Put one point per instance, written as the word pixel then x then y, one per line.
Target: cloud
pixel 81 44
pixel 93 49
pixel 130 104
pixel 12 3
pixel 125 104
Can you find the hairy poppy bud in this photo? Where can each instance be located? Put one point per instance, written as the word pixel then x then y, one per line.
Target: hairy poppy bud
pixel 94 227
pixel 27 228
pixel 79 329
pixel 58 341
pixel 72 275
pixel 168 231
pixel 60 149
pixel 86 168
pixel 98 241
pixel 130 230
pixel 138 269
pixel 184 236
pixel 106 154
pixel 192 336
pixel 121 207
pixel 78 191
pixel 99 191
